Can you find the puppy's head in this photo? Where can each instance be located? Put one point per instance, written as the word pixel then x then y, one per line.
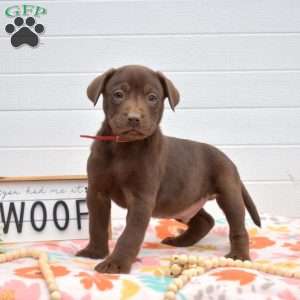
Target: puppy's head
pixel 133 99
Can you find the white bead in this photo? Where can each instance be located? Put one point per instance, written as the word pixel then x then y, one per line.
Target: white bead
pixel 247 264
pixel 263 267
pixel 170 296
pixel 23 252
pixel 175 270
pixel 230 262
pixel 192 272
pixel 288 273
pixel 52 287
pixel 192 266
pixel 276 270
pixel 234 263
pixel 175 258
pixel 192 260
pixel 214 262
pixel 222 261
pixel 47 273
pixel 207 264
pixel 280 271
pixel 43 262
pixel 50 280
pixel 200 270
pixel 237 263
pixel 270 269
pixel 43 256
pixel 17 255
pixel 183 259
pixel 187 273
pixel 185 279
pixel 200 261
pixel 173 288
pixel 178 282
pixel 34 253
pixel 9 256
pixel 256 266
pixel 297 275
pixel 55 295
pixel 29 252
pixel 13 255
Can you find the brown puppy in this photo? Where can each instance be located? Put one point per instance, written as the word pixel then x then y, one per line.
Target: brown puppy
pixel 153 175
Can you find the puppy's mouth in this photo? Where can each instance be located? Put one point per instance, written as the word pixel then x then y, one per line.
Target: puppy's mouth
pixel 130 133
pixel 133 134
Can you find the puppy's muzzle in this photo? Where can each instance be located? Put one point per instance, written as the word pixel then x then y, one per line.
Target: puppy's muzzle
pixel 134 120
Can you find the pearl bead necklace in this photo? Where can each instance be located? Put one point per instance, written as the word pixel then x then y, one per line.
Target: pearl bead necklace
pixel 42 258
pixel 185 267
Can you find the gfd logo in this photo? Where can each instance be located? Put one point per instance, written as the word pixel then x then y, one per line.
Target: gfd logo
pixel 25 29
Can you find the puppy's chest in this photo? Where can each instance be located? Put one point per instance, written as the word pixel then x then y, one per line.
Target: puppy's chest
pixel 122 171
pixel 119 176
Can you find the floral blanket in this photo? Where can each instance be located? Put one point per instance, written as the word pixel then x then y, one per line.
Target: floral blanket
pixel 277 242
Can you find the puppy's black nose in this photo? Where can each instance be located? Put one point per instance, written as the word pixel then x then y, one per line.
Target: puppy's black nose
pixel 134 119
pixel 133 122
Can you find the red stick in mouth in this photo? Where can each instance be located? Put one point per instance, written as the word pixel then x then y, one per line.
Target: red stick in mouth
pixel 113 138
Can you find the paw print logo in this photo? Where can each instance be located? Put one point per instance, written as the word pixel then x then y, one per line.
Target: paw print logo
pixel 24 33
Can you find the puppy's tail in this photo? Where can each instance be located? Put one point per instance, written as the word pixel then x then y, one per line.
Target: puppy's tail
pixel 250 206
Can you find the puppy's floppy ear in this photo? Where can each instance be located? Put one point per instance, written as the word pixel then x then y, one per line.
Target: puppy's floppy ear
pixel 170 90
pixel 96 87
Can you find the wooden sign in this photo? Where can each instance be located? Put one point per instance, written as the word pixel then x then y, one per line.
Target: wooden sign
pixel 43 208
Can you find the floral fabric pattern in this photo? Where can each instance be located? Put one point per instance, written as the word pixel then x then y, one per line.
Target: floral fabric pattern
pixel 277 242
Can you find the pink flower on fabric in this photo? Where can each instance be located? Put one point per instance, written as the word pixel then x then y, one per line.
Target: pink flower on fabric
pixel 62 247
pixel 18 290
pixel 254 255
pixel 152 261
pixel 66 296
pixel 287 295
pixel 221 231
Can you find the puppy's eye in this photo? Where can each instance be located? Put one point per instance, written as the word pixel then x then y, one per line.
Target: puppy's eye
pixel 118 95
pixel 152 98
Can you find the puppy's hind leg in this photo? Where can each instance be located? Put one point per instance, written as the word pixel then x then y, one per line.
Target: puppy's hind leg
pixel 198 227
pixel 231 202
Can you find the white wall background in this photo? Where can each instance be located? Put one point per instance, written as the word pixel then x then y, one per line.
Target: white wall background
pixel 236 63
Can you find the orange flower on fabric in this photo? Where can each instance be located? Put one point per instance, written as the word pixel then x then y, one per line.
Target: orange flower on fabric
pixel 259 242
pixel 35 272
pixel 235 275
pixel 102 281
pixel 168 227
pixel 293 247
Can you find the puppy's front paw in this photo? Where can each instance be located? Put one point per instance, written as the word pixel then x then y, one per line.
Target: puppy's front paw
pixel 114 265
pixel 91 252
pixel 238 255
